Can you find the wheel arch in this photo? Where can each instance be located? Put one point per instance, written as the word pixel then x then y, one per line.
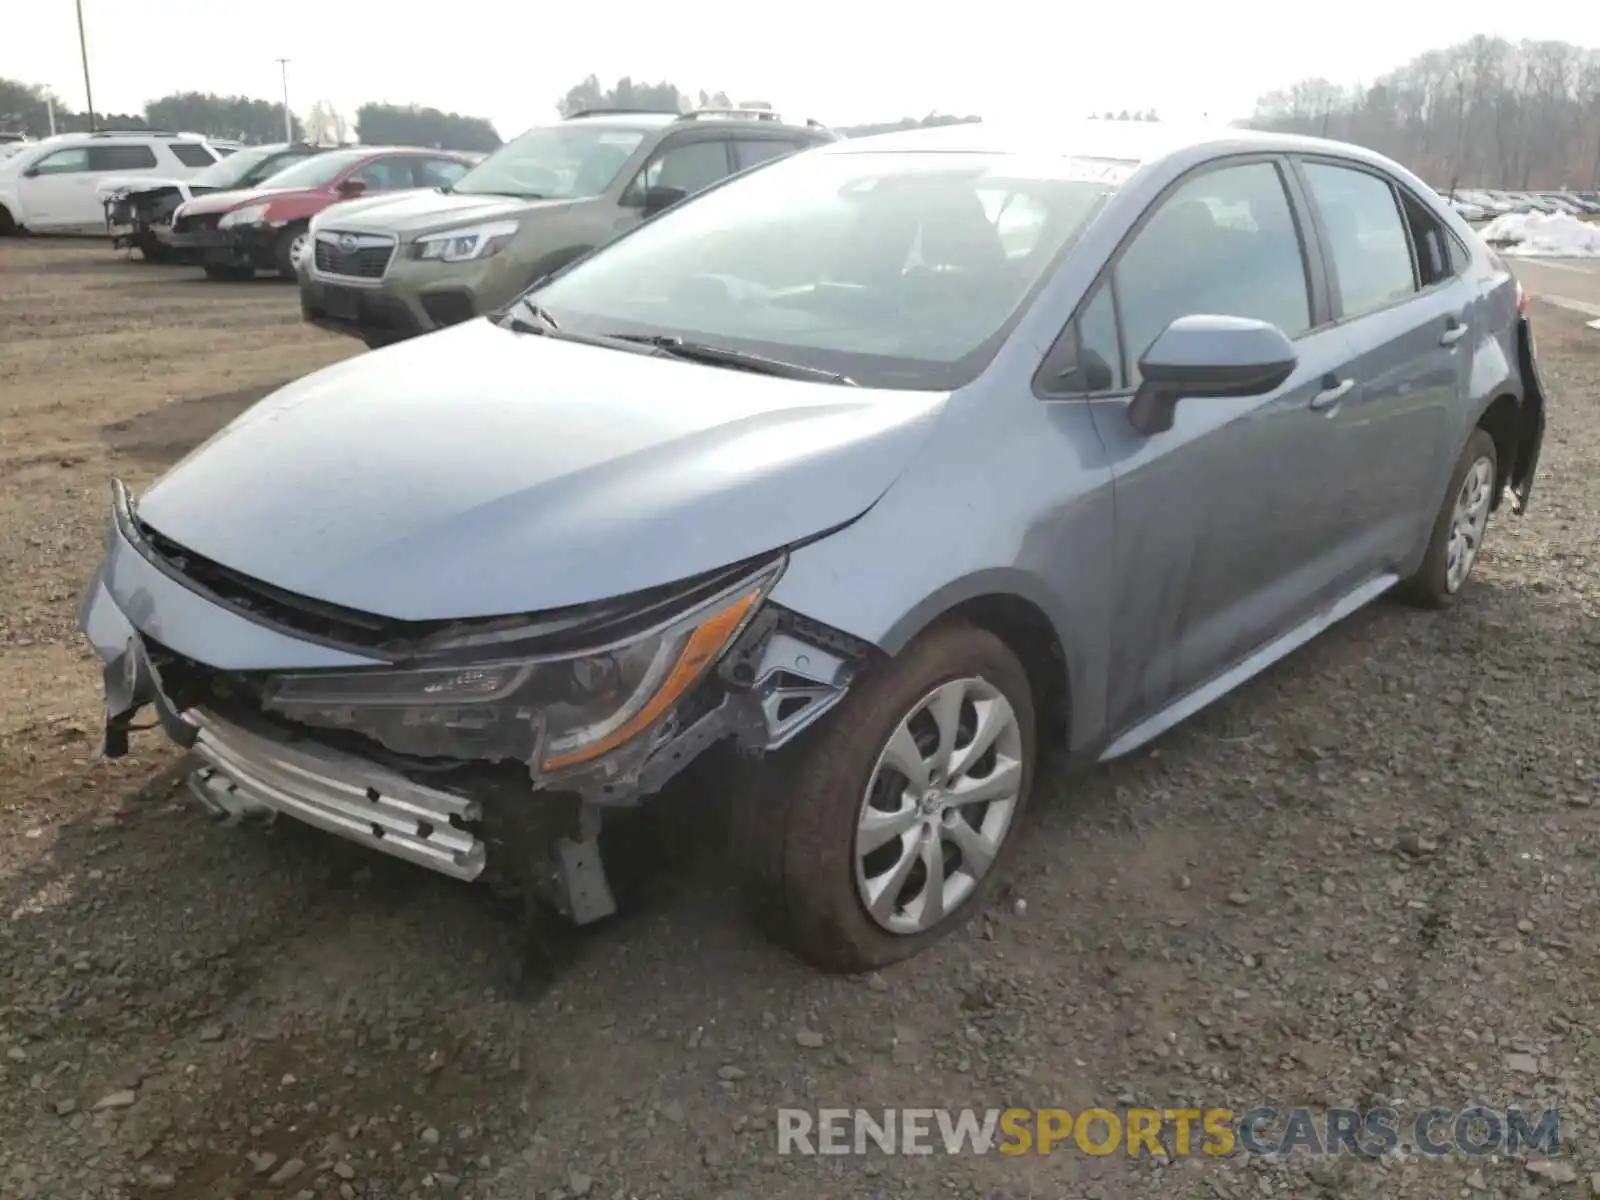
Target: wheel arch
pixel 1011 605
pixel 1028 633
pixel 1502 421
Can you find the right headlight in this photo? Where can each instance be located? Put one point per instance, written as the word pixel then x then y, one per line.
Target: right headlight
pixel 250 214
pixel 466 244
pixel 552 712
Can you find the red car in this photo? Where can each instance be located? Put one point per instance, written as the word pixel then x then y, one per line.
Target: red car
pixel 236 234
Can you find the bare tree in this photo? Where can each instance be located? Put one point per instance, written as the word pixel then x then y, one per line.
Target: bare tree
pixel 1483 112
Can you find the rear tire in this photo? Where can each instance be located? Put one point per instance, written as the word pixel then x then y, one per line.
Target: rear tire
pixel 1456 539
pixel 830 826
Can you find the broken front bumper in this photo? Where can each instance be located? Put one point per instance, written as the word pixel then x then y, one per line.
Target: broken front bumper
pixel 249 772
pixel 157 630
pixel 142 220
pixel 236 246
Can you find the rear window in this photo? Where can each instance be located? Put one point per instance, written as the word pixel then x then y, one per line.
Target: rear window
pixel 136 157
pixel 192 154
pixel 319 171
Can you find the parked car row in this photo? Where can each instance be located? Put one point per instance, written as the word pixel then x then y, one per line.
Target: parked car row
pixel 233 234
pixel 389 242
pixel 139 209
pixel 53 184
pixel 386 268
pixel 1481 204
pixel 888 463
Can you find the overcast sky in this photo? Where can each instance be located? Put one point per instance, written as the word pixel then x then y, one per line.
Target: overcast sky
pixel 841 62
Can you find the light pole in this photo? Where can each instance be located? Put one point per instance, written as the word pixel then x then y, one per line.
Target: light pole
pixel 288 122
pixel 83 49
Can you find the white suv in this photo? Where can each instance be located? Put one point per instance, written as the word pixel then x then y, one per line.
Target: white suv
pixel 52 184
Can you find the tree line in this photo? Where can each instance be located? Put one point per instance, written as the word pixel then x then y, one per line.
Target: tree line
pixel 25 108
pixel 1481 113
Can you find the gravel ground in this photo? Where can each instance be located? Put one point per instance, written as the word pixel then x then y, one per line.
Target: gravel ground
pixel 1366 878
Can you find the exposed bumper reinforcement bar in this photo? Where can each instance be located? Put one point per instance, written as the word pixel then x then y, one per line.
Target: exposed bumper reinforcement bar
pixel 247 772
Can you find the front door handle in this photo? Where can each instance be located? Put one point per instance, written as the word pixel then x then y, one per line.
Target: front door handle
pixel 1329 396
pixel 1454 331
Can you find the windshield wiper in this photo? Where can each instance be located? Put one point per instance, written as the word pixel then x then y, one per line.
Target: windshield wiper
pixel 524 316
pixel 722 356
pixel 536 321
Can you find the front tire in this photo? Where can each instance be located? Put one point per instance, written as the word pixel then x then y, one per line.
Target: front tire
pixel 886 826
pixel 1458 530
pixel 286 252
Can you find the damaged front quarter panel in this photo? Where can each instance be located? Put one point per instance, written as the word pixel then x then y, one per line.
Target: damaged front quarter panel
pixel 776 680
pixel 399 736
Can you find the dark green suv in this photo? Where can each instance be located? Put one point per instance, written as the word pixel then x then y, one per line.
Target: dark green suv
pixel 389 267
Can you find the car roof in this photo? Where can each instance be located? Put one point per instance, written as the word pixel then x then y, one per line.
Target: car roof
pixel 370 151
pixel 626 118
pixel 1127 141
pixel 748 118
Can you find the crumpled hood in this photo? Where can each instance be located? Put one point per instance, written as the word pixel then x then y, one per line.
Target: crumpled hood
pixel 480 472
pixel 429 210
pixel 135 183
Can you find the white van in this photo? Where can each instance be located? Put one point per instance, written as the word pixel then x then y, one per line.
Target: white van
pixel 52 185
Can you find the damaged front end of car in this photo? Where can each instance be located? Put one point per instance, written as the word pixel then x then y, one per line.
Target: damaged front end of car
pixel 475 748
pixel 140 218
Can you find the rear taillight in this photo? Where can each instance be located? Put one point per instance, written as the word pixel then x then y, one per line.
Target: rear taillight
pixel 1522 298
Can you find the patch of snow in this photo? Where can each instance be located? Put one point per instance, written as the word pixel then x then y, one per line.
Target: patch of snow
pixel 1544 235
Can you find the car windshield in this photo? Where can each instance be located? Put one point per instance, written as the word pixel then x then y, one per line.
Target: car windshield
pixel 558 162
pixel 315 172
pixel 899 270
pixel 228 171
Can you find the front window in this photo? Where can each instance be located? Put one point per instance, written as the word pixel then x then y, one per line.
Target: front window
pixel 553 162
pixel 316 172
pixel 63 162
pixel 899 270
pixel 235 169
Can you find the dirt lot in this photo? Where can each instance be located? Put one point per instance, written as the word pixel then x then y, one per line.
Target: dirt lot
pixel 1368 878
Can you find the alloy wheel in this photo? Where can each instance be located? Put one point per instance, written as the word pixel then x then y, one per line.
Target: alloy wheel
pixel 1468 522
pixel 938 805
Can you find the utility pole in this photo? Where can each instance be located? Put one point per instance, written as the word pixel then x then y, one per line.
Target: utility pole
pixel 288 121
pixel 83 49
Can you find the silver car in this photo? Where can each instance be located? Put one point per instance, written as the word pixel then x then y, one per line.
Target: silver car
pixel 886 465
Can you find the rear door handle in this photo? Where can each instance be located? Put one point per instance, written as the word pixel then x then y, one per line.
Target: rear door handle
pixel 1330 396
pixel 1455 330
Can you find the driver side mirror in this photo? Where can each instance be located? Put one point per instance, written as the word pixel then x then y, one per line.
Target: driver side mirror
pixel 1208 356
pixel 31 173
pixel 350 188
pixel 657 199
